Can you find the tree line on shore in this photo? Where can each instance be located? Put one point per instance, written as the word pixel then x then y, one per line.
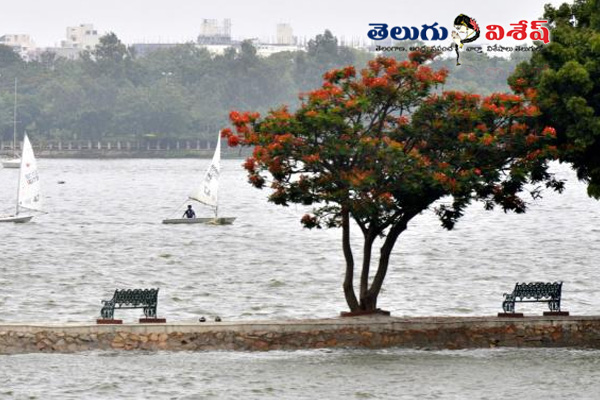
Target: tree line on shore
pixel 183 91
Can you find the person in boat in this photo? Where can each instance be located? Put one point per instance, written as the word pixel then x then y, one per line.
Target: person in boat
pixel 189 213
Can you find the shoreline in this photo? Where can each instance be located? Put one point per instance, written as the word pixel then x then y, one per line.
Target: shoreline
pixel 111 149
pixel 115 155
pixel 371 332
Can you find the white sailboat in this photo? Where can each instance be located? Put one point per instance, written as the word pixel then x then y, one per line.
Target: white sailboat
pixel 14 162
pixel 28 189
pixel 207 193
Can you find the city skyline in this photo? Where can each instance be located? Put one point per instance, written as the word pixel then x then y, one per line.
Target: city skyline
pixel 157 21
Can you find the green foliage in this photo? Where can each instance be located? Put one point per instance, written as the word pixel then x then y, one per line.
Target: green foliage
pixel 8 58
pixel 566 74
pixel 323 54
pixel 111 50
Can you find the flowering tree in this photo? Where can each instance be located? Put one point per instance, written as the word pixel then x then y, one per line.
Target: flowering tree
pixel 380 147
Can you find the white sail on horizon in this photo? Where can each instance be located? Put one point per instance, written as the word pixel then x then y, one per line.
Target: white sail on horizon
pixel 207 191
pixel 28 195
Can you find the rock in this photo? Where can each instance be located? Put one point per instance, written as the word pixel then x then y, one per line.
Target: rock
pixel 162 345
pixel 260 345
pixel 85 338
pixel 147 346
pixel 119 339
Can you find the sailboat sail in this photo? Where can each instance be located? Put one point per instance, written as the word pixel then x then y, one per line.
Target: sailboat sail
pixel 207 192
pixel 29 182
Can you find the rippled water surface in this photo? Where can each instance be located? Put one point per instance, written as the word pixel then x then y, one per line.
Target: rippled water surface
pixel 338 374
pixel 103 230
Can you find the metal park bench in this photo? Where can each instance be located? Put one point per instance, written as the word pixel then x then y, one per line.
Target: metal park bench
pixel 534 292
pixel 146 299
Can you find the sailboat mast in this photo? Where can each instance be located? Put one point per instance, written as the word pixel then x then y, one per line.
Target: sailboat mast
pixel 15 145
pixel 19 186
pixel 15 122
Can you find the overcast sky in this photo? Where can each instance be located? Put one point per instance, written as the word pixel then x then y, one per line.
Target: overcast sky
pixel 151 21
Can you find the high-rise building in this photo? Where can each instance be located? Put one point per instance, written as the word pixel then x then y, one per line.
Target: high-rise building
pixel 211 32
pixel 285 35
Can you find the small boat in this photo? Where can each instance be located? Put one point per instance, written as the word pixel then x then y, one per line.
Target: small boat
pixel 14 162
pixel 28 189
pixel 207 194
pixel 11 163
pixel 209 221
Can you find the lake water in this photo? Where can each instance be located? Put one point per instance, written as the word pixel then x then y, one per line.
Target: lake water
pixel 103 230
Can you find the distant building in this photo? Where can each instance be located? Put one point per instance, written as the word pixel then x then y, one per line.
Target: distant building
pixel 83 37
pixel 211 32
pixel 21 44
pixel 266 49
pixel 219 49
pixel 143 49
pixel 285 34
pixel 79 38
pixel 70 53
pixel 214 36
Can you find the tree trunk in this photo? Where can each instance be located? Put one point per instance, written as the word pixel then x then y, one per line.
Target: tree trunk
pixel 349 276
pixel 364 277
pixel 370 300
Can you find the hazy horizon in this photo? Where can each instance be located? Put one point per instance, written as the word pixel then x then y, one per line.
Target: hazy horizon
pixel 152 21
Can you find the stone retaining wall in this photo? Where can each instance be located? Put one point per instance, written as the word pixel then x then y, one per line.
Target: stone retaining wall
pixel 359 332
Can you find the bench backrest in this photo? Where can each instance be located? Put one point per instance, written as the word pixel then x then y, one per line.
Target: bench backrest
pixel 538 290
pixel 136 296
